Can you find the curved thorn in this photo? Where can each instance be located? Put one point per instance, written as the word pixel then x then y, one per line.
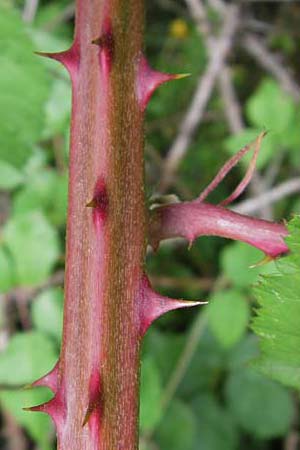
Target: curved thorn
pixel 229 165
pixel 248 175
pixel 69 58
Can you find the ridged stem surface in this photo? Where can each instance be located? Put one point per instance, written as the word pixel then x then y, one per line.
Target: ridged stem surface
pixel 99 364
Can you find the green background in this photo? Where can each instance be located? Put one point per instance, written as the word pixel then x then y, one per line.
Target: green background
pixel 220 402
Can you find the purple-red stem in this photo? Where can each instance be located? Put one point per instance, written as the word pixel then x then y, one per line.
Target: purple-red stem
pixel 96 401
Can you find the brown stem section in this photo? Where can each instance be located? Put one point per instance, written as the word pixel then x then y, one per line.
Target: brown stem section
pixel 99 364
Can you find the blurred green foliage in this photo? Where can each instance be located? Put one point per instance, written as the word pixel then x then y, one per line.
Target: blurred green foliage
pixel 220 402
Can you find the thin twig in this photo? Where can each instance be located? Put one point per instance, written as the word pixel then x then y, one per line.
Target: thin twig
pixel 25 294
pixel 196 331
pixel 267 198
pixel 292 440
pixel 201 97
pixel 232 106
pixel 4 329
pixel 182 282
pixel 30 10
pixel 272 171
pixel 268 61
pixel 185 359
pixel 13 432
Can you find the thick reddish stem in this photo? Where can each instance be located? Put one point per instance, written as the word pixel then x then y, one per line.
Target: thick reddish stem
pixel 193 219
pixel 108 305
pixel 98 379
pixel 152 305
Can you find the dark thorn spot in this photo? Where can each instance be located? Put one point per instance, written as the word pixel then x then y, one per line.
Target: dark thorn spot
pixel 99 201
pixel 95 405
pixel 106 43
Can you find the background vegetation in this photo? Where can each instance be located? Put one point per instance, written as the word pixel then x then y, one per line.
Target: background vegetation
pixel 199 390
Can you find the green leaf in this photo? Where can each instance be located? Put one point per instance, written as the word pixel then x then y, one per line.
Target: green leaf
pixel 291 138
pixel 260 406
pixel 38 425
pixel 243 353
pixel 277 320
pixel 24 85
pixel 178 429
pixel 228 316
pixel 10 177
pixel 33 244
pixel 27 357
pixel 47 191
pixel 161 344
pixel 270 107
pixel 47 312
pixel 236 260
pixel 151 391
pixel 207 366
pixel 216 428
pixel 6 272
pixel 58 108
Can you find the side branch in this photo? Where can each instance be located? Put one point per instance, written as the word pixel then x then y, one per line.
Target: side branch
pixel 193 219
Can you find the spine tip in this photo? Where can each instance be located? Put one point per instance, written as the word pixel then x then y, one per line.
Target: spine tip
pixel 93 413
pixel 148 80
pixel 154 305
pixel 69 58
pixel 55 408
pixel 180 76
pixel 266 259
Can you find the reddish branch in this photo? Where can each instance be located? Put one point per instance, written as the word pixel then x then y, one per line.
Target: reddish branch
pixel 198 218
pixel 193 219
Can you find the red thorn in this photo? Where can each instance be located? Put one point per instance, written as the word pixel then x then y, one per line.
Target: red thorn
pixel 266 260
pixel 93 412
pixel 68 58
pixel 106 45
pixel 49 380
pixel 37 408
pixel 154 305
pixel 148 80
pixel 99 202
pixel 54 408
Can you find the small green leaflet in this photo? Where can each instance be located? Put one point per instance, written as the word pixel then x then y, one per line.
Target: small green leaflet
pixel 278 315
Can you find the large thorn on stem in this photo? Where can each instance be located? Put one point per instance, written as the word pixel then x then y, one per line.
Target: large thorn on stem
pixel 55 408
pixel 70 59
pixel 148 80
pixel 153 305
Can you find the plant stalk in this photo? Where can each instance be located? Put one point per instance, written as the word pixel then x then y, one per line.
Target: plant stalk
pixel 99 363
